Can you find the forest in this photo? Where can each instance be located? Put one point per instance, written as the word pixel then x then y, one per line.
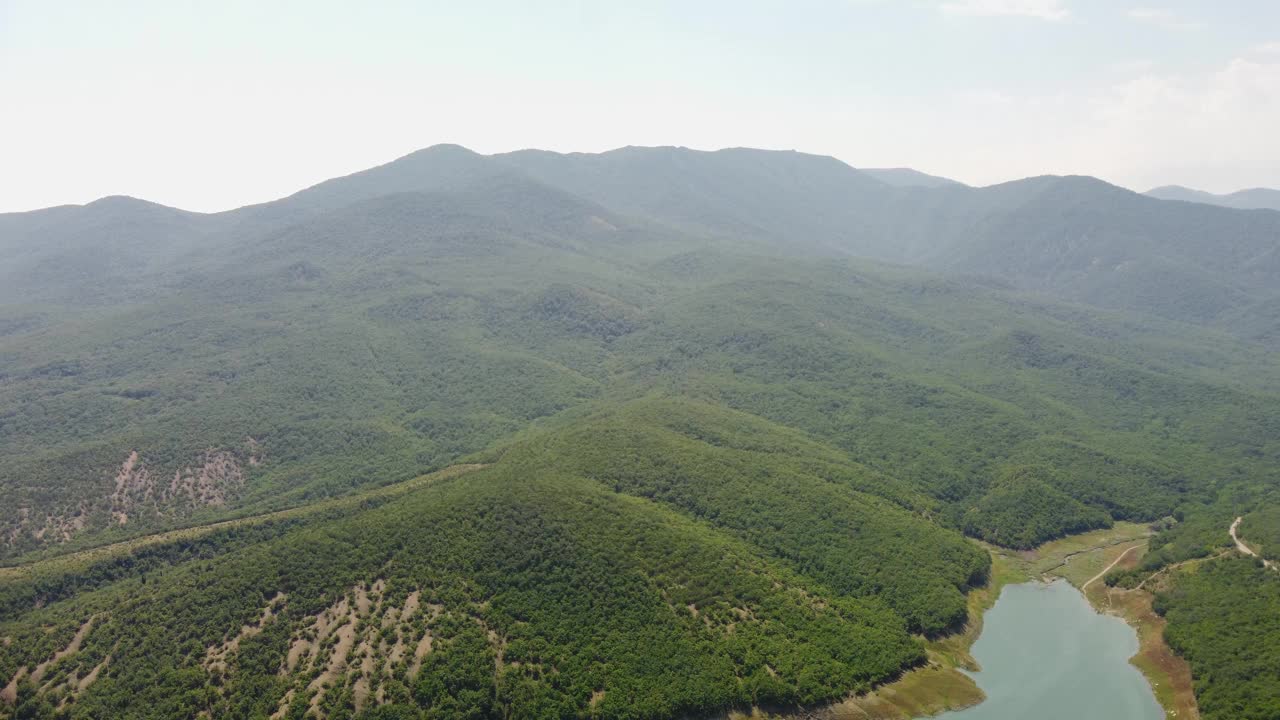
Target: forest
pixel 450 439
pixel 1225 619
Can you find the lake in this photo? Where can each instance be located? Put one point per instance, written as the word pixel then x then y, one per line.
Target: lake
pixel 1046 655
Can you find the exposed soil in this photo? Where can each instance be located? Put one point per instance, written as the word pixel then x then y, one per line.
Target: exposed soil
pixel 9 693
pixel 346 635
pixel 216 657
pixel 71 649
pixel 71 522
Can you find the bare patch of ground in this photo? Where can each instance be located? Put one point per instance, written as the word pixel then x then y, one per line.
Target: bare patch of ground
pixel 209 483
pixel 346 635
pixel 83 683
pixel 75 520
pixel 399 617
pixel 216 657
pixel 420 652
pixel 369 605
pixel 312 639
pixel 424 643
pixel 71 649
pixel 358 641
pixel 76 686
pixel 9 693
pixel 284 705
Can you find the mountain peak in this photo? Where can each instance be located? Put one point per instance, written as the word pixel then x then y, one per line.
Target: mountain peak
pixel 1170 189
pixel 438 167
pixel 441 150
pixel 129 206
pixel 123 201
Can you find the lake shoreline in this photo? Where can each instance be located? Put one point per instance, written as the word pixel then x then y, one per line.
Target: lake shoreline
pixel 1080 560
pixel 1168 674
pixel 943 685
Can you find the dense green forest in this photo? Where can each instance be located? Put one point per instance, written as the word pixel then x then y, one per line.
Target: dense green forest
pixel 1221 607
pixel 724 463
pixel 1225 618
pixel 570 590
pixel 1261 530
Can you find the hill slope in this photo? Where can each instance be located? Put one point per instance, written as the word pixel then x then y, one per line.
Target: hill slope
pixel 509 575
pixel 726 463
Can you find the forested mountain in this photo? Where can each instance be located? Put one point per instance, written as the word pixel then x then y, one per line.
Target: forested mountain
pixel 716 451
pixel 1072 237
pixel 1082 239
pixel 1252 199
pixel 75 254
pixel 1076 238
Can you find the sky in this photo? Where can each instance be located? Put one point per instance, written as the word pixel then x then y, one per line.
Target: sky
pixel 209 106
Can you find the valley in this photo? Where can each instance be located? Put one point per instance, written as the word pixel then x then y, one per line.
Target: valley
pixel 649 433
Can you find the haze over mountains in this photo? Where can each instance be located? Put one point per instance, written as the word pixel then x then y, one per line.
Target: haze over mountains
pixel 1072 237
pixel 647 433
pixel 1252 199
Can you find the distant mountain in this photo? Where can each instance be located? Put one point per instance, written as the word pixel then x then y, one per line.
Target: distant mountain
pixel 1074 237
pixel 906 177
pixel 1077 238
pixel 1086 240
pixel 82 251
pixel 1253 199
pixel 802 200
pixel 439 167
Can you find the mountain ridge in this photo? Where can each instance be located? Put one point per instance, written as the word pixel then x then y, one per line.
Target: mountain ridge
pixel 1248 199
pixel 1109 246
pixel 908 177
pixel 732 421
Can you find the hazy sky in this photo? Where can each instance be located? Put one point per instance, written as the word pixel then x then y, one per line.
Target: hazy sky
pixel 212 105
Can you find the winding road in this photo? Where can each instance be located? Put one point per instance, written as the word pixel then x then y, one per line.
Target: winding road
pixel 1245 548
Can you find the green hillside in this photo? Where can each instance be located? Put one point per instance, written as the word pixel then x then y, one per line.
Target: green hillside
pixel 585 598
pixel 726 463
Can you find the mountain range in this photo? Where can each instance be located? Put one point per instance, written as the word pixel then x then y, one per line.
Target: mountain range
pixel 647 433
pixel 1076 238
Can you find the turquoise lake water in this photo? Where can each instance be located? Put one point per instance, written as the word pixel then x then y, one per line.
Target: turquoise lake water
pixel 1046 655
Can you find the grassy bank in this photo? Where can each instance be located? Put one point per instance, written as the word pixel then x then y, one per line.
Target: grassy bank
pixel 1080 560
pixel 941 685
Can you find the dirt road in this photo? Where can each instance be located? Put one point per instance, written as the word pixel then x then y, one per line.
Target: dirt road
pixel 1245 548
pixel 1107 569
